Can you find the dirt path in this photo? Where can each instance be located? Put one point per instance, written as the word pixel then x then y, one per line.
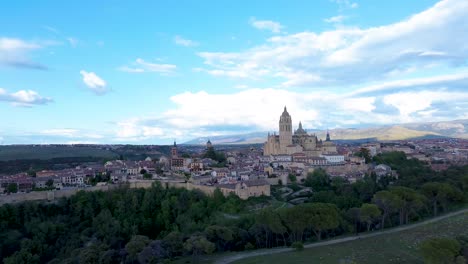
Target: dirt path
pixel 261 252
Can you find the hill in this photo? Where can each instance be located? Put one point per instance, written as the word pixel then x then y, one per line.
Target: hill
pixel 397 247
pixel 453 129
pixel 44 152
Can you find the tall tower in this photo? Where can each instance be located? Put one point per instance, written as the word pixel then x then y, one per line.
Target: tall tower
pixel 285 131
pixel 174 150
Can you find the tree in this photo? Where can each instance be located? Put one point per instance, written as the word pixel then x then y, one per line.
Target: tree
pixel 440 250
pixel 198 244
pixel 369 214
pixel 354 214
pixel 174 243
pixel 12 188
pixel 320 217
pixel 438 194
pixel 136 245
pixel 292 177
pixel 318 180
pixel 295 221
pixel 411 201
pixel 364 153
pixel 143 171
pixel 22 257
pixel 387 202
pixel 219 235
pixel 50 183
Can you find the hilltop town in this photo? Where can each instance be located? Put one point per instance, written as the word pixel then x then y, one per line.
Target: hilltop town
pixel 246 171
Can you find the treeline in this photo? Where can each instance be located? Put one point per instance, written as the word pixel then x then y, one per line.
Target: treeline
pixel 159 224
pixel 33 165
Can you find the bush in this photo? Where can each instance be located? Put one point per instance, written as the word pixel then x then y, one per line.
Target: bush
pixel 297 246
pixel 249 246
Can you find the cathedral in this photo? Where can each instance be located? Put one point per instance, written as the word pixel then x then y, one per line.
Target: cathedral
pixel 288 143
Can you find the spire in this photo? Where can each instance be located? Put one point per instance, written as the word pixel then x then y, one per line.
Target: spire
pixel 175 145
pixel 300 125
pixel 285 110
pixel 328 136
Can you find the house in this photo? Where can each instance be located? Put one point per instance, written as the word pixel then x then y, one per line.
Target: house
pixel 246 189
pixel 383 170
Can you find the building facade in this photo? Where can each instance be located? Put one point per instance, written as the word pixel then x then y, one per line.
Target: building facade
pixel 288 143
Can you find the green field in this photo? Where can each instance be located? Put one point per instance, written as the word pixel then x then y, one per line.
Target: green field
pixel 50 152
pixel 401 247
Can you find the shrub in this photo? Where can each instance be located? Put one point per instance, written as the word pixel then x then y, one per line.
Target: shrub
pixel 297 246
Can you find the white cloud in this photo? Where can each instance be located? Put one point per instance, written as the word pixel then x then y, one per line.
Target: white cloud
pixel 241 86
pixel 94 82
pixel 140 66
pixel 272 26
pixel 63 132
pixel 51 29
pixel 252 109
pixel 412 102
pixel 73 42
pixel 335 19
pixel 345 4
pixel 26 98
pixel 354 55
pixel 184 42
pixel 132 130
pixel 14 53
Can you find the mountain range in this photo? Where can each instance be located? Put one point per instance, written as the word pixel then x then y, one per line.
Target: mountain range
pixel 452 129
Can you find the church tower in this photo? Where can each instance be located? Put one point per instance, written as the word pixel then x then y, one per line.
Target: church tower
pixel 174 150
pixel 285 130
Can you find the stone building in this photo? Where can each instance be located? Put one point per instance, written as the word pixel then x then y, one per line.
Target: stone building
pixel 287 143
pixel 177 163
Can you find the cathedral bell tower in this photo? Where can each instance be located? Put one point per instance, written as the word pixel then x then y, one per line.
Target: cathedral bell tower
pixel 285 131
pixel 174 150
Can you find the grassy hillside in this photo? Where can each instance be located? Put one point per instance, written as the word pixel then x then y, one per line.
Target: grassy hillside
pixel 401 247
pixel 50 152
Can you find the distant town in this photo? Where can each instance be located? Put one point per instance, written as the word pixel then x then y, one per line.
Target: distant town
pixel 246 171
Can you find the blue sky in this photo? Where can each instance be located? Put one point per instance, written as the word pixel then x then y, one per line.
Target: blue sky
pixel 144 72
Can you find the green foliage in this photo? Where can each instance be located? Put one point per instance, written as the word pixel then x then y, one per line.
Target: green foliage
pixel 388 203
pixel 144 225
pixel 12 188
pixel 50 183
pixel 136 245
pixel 440 250
pixel 292 177
pixel 364 153
pixel 217 156
pixel 249 246
pixel 369 213
pixel 318 180
pixel 439 194
pixel 197 245
pixel 297 246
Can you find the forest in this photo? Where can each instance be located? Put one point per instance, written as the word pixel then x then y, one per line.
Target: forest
pixel 160 224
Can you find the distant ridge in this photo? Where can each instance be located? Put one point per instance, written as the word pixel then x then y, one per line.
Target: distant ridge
pixel 452 129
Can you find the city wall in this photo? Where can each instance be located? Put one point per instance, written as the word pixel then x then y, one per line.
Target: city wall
pixel 57 194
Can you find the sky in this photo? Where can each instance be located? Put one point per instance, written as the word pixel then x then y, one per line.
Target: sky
pixel 149 72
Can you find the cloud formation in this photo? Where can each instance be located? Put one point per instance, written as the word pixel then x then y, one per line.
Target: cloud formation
pixel 429 39
pixel 335 19
pixel 272 26
pixel 24 98
pixel 178 40
pixel 140 66
pixel 248 110
pixel 14 53
pixel 95 83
